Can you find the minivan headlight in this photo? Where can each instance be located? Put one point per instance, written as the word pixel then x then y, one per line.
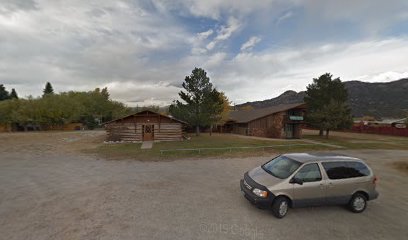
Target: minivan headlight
pixel 260 193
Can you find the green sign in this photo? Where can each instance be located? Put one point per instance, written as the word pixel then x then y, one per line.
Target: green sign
pixel 296 118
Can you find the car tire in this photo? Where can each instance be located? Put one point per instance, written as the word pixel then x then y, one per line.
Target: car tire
pixel 280 207
pixel 358 203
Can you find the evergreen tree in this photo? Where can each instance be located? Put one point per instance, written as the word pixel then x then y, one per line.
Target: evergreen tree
pixel 201 101
pixel 4 94
pixel 105 94
pixel 48 90
pixel 326 101
pixel 13 94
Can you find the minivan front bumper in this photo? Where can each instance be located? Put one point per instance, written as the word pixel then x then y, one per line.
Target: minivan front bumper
pixel 254 199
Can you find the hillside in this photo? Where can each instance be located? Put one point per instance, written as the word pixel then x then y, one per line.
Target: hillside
pixel 385 100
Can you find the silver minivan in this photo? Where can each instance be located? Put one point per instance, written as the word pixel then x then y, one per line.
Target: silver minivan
pixel 303 179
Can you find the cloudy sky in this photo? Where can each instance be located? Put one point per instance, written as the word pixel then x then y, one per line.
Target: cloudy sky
pixel 252 50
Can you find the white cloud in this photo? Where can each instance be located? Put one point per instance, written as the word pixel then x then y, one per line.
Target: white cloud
pixel 134 94
pixel 383 76
pixel 224 32
pixel 215 60
pixel 79 45
pixel 205 35
pixel 285 16
pixel 371 16
pixel 143 50
pixel 250 43
pixel 215 8
pixel 267 74
pixel 198 42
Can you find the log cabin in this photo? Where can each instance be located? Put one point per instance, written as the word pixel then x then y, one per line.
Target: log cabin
pixel 145 126
pixel 280 121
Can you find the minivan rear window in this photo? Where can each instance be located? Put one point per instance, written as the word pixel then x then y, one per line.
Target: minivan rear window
pixel 359 169
pixel 281 167
pixel 341 170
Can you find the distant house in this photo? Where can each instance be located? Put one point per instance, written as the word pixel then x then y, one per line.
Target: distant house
pixel 397 127
pixel 400 123
pixel 280 121
pixel 145 126
pixel 397 123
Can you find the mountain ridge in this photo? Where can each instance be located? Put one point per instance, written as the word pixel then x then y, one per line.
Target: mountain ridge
pixel 377 99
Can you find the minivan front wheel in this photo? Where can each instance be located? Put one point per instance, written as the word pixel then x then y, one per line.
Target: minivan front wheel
pixel 280 207
pixel 358 203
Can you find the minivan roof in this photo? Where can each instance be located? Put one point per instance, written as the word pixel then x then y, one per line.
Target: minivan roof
pixel 308 157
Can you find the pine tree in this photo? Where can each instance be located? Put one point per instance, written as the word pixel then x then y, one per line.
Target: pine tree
pixel 48 90
pixel 4 94
pixel 13 94
pixel 201 102
pixel 326 101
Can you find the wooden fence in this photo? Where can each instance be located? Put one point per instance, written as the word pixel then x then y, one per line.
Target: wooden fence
pixel 381 130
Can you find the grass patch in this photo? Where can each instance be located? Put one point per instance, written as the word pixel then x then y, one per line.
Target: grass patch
pixel 349 142
pixel 133 151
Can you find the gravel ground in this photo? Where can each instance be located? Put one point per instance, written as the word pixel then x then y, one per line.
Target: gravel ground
pixel 49 192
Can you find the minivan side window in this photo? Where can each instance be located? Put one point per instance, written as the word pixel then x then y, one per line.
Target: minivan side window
pixel 342 170
pixel 309 173
pixel 358 169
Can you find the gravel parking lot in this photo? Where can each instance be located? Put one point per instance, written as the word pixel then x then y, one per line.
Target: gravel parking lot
pixel 49 192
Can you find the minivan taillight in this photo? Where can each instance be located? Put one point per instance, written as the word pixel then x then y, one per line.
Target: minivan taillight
pixel 375 179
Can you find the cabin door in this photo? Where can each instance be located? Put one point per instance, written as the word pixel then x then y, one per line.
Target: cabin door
pixel 148 132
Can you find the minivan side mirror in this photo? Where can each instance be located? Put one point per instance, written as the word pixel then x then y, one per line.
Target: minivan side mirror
pixel 296 180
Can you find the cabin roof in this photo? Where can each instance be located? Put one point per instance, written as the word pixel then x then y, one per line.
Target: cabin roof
pixel 145 111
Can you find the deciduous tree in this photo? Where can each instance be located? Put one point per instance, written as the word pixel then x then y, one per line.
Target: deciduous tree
pixel 226 107
pixel 90 108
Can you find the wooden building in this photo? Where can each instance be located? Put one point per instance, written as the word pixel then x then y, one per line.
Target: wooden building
pixel 145 126
pixel 280 121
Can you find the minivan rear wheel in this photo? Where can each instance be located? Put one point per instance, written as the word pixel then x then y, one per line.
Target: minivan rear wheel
pixel 358 203
pixel 280 207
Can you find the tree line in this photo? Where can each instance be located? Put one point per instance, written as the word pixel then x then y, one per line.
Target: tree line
pixel 90 108
pixel 201 105
pixel 5 95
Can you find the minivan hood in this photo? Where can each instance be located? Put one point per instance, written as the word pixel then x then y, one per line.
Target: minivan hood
pixel 262 177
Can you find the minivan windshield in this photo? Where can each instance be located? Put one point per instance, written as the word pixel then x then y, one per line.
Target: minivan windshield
pixel 281 167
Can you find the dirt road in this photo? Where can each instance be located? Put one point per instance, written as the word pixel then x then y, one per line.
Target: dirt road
pixel 50 191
